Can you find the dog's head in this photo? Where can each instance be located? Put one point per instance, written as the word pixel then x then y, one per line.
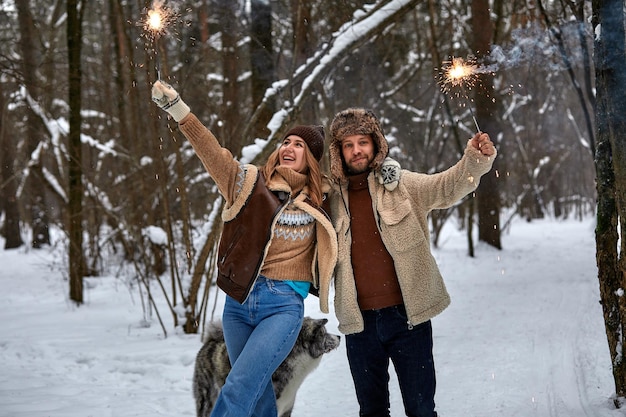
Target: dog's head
pixel 316 339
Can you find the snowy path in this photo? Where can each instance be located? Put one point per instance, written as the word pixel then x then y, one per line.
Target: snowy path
pixel 535 324
pixel 524 337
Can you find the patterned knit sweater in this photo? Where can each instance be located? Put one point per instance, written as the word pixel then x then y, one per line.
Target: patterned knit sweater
pixel 292 247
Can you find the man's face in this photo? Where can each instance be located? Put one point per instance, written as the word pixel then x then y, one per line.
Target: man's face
pixel 358 152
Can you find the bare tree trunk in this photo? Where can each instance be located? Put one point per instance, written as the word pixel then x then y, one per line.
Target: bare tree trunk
pixel 230 104
pixel 261 62
pixel 75 213
pixel 488 196
pixel 303 48
pixel 8 184
pixel 36 201
pixel 470 227
pixel 610 54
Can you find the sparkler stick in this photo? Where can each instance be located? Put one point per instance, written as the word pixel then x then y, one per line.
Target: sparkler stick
pixel 459 73
pixel 155 24
pixel 469 104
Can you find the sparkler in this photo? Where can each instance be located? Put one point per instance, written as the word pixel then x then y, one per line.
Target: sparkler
pixel 155 24
pixel 461 73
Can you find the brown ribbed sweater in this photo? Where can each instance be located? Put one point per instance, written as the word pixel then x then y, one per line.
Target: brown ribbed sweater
pixel 374 270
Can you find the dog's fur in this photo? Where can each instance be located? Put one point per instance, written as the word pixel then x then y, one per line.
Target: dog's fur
pixel 212 365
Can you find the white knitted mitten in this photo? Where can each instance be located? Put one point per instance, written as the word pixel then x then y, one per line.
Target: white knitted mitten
pixel 389 173
pixel 168 99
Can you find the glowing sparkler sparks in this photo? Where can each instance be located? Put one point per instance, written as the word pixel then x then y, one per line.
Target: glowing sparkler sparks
pixel 460 73
pixel 154 21
pixel 155 24
pixel 157 19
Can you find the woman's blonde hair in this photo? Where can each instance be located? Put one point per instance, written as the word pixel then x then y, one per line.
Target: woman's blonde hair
pixel 314 174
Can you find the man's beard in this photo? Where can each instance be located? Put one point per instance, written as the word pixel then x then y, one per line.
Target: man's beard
pixel 352 170
pixel 355 171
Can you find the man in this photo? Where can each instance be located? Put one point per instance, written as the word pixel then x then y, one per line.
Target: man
pixel 387 283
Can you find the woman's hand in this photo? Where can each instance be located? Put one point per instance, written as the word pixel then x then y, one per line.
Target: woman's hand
pixel 168 99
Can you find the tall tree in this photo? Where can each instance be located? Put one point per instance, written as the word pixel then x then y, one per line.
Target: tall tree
pixel 488 197
pixel 36 204
pixel 610 67
pixel 8 188
pixel 303 46
pixel 231 110
pixel 75 11
pixel 261 61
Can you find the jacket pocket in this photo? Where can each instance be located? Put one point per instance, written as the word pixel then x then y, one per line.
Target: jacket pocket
pixel 400 228
pixel 397 214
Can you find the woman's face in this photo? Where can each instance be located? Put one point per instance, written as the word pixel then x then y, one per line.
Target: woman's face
pixel 292 153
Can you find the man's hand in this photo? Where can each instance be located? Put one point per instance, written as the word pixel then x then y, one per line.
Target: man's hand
pixel 389 174
pixel 482 142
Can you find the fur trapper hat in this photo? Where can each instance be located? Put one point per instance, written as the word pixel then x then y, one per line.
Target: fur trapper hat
pixel 313 136
pixel 355 121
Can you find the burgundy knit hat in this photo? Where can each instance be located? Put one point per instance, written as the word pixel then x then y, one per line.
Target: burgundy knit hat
pixel 313 136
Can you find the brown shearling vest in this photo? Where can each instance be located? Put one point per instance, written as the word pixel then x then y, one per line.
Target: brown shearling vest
pixel 244 241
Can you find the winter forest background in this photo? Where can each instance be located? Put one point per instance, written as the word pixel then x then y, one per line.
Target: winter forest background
pixel 84 150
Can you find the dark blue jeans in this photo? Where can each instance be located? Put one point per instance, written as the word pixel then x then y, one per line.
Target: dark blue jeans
pixel 387 335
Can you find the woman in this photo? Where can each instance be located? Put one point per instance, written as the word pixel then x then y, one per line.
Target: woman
pixel 276 243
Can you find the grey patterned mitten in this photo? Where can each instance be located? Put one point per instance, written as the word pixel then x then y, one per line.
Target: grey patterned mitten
pixel 389 173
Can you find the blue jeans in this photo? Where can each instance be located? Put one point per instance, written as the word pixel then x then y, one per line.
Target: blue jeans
pixel 259 335
pixel 387 336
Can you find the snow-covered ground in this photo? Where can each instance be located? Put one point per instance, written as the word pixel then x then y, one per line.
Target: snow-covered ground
pixel 524 337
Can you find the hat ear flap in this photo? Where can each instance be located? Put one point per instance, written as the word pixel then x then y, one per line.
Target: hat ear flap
pixel 383 149
pixel 336 161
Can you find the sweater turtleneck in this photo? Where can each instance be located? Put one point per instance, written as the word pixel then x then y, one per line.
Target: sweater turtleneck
pixel 374 270
pixel 294 179
pixel 358 181
pixel 292 247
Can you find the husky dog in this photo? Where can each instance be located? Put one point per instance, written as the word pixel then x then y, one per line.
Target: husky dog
pixel 212 365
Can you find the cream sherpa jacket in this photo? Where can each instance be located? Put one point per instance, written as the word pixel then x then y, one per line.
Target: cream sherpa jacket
pixel 402 219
